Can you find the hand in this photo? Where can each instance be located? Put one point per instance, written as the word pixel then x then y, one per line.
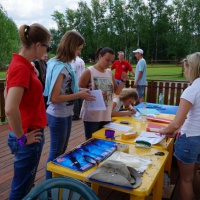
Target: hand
pixel 163 131
pixel 84 94
pixel 33 136
pixel 135 85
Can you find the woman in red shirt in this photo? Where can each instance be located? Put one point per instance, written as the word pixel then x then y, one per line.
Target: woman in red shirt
pixel 25 108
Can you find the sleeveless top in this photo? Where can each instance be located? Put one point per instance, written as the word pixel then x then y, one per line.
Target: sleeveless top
pixel 104 82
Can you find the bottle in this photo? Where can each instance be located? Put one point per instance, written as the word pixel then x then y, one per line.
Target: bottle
pixel 160 99
pixel 144 112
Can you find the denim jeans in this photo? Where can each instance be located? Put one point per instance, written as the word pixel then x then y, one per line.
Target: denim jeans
pixel 91 127
pixel 60 129
pixel 26 161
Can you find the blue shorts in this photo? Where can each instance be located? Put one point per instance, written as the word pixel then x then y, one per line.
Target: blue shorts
pixel 187 149
pixel 140 90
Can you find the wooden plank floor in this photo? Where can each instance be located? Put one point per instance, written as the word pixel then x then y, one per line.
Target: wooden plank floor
pixel 77 137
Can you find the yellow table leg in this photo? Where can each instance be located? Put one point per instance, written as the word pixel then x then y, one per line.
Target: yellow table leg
pixel 95 187
pixel 158 187
pixel 169 160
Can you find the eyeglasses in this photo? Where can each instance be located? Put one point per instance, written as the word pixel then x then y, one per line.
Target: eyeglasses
pixel 48 47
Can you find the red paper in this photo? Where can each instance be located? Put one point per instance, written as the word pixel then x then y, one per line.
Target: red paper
pixel 157 119
pixel 151 127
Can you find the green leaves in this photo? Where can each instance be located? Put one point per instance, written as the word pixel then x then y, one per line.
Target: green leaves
pixel 9 39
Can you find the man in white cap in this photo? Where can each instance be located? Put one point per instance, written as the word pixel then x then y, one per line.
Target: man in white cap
pixel 140 74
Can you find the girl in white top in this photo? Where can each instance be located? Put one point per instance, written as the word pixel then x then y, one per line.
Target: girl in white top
pixel 99 77
pixel 127 97
pixel 187 145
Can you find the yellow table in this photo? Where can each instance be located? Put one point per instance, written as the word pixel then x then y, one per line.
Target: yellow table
pixel 139 126
pixel 152 178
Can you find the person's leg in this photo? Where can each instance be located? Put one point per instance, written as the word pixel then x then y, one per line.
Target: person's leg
pixel 91 127
pixel 58 138
pixel 25 166
pixel 76 110
pixel 186 180
pixel 196 181
pixel 68 132
pixel 140 91
pixel 187 152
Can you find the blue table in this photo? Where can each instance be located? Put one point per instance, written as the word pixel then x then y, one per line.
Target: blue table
pixel 165 109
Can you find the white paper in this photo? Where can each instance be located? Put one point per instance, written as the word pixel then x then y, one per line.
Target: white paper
pixel 138 163
pixel 151 140
pixel 98 103
pixel 119 127
pixel 151 134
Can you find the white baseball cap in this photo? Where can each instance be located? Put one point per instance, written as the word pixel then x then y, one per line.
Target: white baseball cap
pixel 138 51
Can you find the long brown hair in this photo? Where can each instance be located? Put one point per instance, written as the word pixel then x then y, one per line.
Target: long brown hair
pixel 68 45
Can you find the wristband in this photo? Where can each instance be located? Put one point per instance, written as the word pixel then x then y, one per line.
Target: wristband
pixel 123 81
pixel 22 140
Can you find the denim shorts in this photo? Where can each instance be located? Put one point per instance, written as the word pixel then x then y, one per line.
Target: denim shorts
pixel 140 90
pixel 187 149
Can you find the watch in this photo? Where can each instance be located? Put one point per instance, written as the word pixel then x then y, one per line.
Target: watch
pixel 22 140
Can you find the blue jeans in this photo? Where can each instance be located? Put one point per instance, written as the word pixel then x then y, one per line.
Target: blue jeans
pixel 60 129
pixel 187 149
pixel 91 127
pixel 26 161
pixel 140 90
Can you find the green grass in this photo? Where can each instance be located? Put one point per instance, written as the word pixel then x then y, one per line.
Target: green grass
pixel 155 72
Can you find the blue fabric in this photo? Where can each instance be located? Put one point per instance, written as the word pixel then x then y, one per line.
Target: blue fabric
pixel 60 129
pixel 26 161
pixel 165 109
pixel 91 127
pixel 187 149
pixel 54 67
pixel 140 90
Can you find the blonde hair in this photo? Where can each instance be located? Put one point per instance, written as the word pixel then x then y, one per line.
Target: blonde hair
pixel 66 51
pixel 193 60
pixel 128 93
pixel 33 34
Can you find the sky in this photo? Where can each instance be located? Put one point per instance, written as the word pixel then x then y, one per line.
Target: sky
pixel 40 11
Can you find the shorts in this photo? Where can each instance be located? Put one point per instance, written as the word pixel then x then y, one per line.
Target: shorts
pixel 187 149
pixel 140 90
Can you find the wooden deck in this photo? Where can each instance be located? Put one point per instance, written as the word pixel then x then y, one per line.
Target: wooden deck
pixel 77 137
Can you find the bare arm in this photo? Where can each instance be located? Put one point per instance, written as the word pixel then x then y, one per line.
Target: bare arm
pixel 138 78
pixel 178 121
pixel 13 100
pixel 118 88
pixel 57 97
pixel 85 79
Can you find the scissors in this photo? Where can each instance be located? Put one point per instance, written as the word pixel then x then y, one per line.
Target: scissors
pixel 159 153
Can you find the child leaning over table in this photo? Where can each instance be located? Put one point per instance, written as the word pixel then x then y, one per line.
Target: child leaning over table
pixel 127 97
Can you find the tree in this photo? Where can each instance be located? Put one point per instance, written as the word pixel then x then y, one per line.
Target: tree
pixel 9 38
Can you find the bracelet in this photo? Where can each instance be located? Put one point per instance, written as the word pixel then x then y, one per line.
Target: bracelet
pixel 123 81
pixel 22 140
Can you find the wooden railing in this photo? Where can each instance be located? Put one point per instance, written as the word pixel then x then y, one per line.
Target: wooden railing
pixel 2 102
pixel 171 90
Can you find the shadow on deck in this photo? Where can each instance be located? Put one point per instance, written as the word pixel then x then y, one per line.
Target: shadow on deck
pixel 77 137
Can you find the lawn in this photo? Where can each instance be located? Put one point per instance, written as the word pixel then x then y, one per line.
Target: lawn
pixel 155 72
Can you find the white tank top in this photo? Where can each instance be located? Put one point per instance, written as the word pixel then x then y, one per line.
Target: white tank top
pixel 104 82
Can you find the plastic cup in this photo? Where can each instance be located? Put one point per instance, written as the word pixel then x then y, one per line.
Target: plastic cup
pixel 109 133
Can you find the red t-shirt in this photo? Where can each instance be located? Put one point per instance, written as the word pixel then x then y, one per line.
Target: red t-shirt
pixel 120 67
pixel 21 73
